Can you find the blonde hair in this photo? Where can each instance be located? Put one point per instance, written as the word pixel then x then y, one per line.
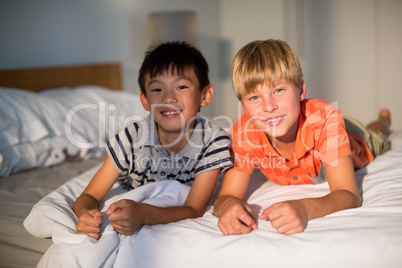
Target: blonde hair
pixel 264 61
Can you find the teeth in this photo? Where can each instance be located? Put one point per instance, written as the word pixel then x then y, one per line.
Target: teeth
pixel 171 113
pixel 275 119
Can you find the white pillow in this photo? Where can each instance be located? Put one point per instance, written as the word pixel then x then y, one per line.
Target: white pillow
pixel 36 130
pixel 95 114
pixel 21 117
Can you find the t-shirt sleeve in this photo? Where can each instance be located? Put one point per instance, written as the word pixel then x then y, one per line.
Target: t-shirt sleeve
pixel 121 147
pixel 215 154
pixel 333 141
pixel 242 147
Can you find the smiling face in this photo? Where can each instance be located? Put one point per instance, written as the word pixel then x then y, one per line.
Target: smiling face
pixel 174 99
pixel 275 109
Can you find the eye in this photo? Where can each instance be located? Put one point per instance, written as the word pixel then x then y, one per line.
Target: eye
pixel 182 87
pixel 156 90
pixel 279 90
pixel 252 98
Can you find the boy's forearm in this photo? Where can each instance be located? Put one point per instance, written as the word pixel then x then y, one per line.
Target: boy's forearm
pixel 335 201
pixel 83 203
pixel 161 215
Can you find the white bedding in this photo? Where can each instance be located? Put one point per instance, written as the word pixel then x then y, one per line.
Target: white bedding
pixel 46 128
pixel 72 250
pixel 369 236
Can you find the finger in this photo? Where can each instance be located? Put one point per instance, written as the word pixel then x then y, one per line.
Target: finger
pixel 116 206
pixel 264 214
pixel 273 212
pixel 124 230
pixel 224 225
pixel 94 235
pixel 289 229
pixel 111 209
pixel 238 227
pixel 293 231
pixel 291 226
pixel 288 225
pixel 247 219
pixel 222 228
pixel 116 227
pixel 98 217
pixel 243 229
pixel 279 224
pixel 269 214
pixel 119 218
pixel 87 221
pixel 86 229
pixel 249 211
pixel 245 222
pixel 228 227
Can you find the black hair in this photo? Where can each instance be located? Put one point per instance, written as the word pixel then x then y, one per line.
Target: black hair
pixel 176 57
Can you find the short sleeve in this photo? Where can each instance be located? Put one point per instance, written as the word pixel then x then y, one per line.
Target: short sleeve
pixel 215 154
pixel 333 142
pixel 244 143
pixel 120 148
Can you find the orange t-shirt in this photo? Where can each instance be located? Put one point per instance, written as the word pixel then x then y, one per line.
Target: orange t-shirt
pixel 321 139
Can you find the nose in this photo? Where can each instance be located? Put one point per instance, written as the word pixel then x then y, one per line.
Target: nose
pixel 270 105
pixel 169 96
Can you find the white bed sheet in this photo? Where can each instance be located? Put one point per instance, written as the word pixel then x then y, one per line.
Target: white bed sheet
pixel 369 236
pixel 18 194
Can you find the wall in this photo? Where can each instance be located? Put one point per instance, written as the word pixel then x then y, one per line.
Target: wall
pixel 349 49
pixel 359 60
pixel 242 22
pixel 58 32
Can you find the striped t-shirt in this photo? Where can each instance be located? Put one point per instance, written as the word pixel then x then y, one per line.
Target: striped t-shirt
pixel 137 151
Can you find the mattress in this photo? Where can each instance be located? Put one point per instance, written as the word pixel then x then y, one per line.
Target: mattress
pixel 18 194
pixel 368 236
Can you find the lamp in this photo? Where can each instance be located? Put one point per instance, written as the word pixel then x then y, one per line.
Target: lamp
pixel 173 26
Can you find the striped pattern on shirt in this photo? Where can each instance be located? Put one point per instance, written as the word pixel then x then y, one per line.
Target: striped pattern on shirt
pixel 136 151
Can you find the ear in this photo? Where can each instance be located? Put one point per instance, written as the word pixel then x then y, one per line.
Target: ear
pixel 207 95
pixel 144 101
pixel 302 91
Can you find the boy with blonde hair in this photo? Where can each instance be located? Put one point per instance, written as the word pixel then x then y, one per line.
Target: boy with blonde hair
pixel 292 140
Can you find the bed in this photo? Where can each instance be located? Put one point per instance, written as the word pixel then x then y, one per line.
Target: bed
pixel 35 155
pixel 37 204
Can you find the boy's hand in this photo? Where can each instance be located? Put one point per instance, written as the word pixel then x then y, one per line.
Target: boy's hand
pixel 89 223
pixel 289 217
pixel 236 218
pixel 126 216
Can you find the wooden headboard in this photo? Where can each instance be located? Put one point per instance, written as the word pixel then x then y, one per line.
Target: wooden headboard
pixel 36 79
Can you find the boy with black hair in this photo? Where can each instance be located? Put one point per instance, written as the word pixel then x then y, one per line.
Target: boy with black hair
pixel 172 143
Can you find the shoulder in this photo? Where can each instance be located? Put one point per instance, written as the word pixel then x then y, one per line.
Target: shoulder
pixel 245 136
pixel 208 131
pixel 136 131
pixel 214 150
pixel 242 129
pixel 322 125
pixel 241 124
pixel 317 108
pixel 136 127
pixel 317 115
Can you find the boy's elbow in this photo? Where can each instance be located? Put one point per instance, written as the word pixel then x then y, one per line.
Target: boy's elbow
pixel 356 201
